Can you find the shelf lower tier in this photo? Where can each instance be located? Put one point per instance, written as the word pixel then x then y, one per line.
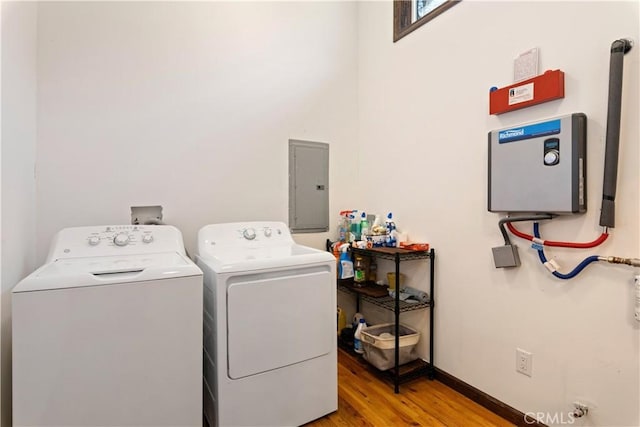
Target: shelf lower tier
pixel 386 301
pixel 409 371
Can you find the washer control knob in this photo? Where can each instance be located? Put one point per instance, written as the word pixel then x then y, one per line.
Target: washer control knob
pixel 147 238
pixel 94 240
pixel 249 233
pixel 267 232
pixel 121 239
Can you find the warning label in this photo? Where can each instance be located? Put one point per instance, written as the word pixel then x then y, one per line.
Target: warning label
pixel 520 94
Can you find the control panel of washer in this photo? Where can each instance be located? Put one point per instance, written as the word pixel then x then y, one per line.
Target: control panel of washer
pixel 121 235
pixel 115 239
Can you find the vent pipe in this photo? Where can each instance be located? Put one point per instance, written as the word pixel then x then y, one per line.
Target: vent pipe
pixel 618 49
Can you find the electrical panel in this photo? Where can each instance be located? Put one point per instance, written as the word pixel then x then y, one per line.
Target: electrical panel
pixel 539 167
pixel 308 186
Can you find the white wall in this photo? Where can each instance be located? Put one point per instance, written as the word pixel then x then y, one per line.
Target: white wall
pixel 423 121
pixel 18 156
pixel 191 106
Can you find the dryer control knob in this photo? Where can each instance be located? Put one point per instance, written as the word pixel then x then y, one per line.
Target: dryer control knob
pixel 147 238
pixel 94 240
pixel 121 239
pixel 267 232
pixel 249 233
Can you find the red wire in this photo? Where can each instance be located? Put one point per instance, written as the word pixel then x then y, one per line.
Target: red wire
pixel 593 244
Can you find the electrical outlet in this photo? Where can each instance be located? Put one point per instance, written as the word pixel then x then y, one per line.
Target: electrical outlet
pixel 524 362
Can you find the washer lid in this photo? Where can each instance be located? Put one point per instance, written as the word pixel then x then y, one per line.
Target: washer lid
pixel 259 258
pixel 96 271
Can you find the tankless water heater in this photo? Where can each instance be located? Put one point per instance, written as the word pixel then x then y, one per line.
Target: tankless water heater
pixel 539 166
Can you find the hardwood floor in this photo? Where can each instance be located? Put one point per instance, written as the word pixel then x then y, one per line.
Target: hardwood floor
pixel 366 399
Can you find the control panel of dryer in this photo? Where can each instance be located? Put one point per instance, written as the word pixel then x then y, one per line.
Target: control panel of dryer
pixel 245 240
pixel 246 234
pixel 262 232
pixel 115 240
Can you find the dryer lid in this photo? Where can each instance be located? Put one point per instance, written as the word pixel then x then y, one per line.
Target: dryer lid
pixel 259 258
pixel 254 245
pixel 95 271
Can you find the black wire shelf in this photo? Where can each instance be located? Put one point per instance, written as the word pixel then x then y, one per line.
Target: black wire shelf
pixel 379 296
pixel 391 253
pixel 387 302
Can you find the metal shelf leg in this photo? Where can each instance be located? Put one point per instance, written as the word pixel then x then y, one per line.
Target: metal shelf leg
pixel 397 320
pixel 432 366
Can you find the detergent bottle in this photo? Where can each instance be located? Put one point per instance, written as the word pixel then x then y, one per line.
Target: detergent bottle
pixel 345 268
pixel 355 226
pixel 391 230
pixel 341 318
pixel 357 337
pixel 364 226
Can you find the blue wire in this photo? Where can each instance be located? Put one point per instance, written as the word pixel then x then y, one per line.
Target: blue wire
pixel 575 271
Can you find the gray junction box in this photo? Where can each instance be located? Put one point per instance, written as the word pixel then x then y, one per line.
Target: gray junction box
pixel 539 167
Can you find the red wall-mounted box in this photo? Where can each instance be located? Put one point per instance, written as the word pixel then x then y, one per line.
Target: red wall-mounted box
pixel 539 89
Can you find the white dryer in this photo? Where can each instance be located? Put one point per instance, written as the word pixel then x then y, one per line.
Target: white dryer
pixel 109 331
pixel 269 321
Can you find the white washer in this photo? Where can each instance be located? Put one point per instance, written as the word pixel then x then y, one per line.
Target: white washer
pixel 269 320
pixel 109 331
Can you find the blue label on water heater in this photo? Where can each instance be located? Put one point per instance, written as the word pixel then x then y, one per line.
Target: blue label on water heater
pixel 551 127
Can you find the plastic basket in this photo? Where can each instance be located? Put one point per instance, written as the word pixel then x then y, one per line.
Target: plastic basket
pixel 379 344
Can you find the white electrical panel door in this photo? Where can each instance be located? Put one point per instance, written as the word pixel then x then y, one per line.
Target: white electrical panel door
pixel 308 186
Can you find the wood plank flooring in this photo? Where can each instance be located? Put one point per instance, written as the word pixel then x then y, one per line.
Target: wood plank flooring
pixel 366 399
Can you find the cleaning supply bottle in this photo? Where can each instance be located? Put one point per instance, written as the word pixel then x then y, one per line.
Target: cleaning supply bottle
pixel 335 249
pixel 360 271
pixel 389 223
pixel 364 226
pixel 391 231
pixel 342 319
pixel 356 320
pixel 357 337
pixel 346 265
pixel 343 226
pixel 355 226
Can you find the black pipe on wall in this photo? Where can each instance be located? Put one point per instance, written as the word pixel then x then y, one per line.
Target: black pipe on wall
pixel 618 49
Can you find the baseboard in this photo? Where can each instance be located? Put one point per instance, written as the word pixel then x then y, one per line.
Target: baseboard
pixel 483 399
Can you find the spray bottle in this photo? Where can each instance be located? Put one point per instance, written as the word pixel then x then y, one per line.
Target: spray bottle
pixel 343 226
pixel 345 268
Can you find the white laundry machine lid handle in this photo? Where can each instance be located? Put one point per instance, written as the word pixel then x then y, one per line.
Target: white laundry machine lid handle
pixel 96 271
